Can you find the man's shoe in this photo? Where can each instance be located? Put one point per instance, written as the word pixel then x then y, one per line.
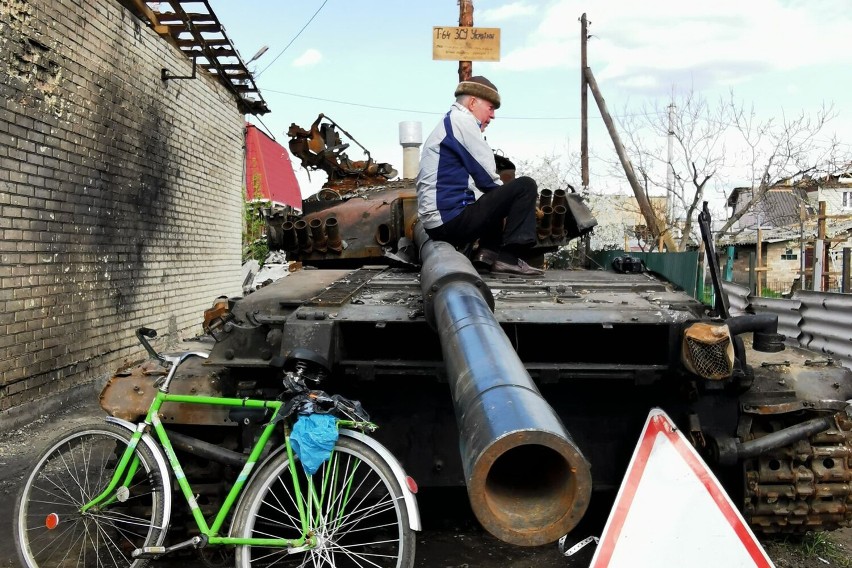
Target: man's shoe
pixel 484 258
pixel 520 268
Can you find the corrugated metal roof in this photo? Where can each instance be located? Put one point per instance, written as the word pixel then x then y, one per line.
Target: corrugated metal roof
pixel 788 233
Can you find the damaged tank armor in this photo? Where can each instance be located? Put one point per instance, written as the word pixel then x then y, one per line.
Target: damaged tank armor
pixel 530 392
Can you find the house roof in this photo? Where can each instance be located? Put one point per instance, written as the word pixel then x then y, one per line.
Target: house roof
pixel 788 233
pixel 779 206
pixel 269 173
pixel 193 28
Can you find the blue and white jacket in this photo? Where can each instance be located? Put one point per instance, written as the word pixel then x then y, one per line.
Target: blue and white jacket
pixel 456 161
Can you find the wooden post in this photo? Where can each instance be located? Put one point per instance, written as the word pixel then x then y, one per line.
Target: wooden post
pixel 847 270
pixel 820 253
pixel 465 19
pixel 751 272
pixel 657 228
pixel 759 253
pixel 584 104
pixel 803 264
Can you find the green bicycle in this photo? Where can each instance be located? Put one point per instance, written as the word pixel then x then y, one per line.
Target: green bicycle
pixel 101 495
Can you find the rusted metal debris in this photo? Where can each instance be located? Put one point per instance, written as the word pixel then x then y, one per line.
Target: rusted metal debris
pixel 128 394
pixel 321 148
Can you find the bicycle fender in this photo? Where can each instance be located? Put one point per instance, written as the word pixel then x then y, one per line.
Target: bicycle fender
pixel 398 472
pixel 160 458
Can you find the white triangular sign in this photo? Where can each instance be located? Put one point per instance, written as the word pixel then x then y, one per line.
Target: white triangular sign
pixel 671 511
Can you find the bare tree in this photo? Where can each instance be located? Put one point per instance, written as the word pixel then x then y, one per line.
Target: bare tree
pixel 713 141
pixel 552 171
pixel 776 151
pixel 695 128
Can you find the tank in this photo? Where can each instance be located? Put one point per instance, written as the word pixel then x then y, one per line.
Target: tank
pixel 531 393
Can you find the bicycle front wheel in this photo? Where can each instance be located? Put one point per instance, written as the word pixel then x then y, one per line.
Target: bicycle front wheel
pixel 50 529
pixel 353 505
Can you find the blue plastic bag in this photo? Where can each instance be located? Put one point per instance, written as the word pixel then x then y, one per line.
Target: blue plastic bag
pixel 313 438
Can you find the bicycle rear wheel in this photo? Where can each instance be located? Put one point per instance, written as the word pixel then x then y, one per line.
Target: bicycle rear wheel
pixel 50 530
pixel 353 503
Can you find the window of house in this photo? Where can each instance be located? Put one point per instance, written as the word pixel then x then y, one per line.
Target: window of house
pixel 788 254
pixel 847 199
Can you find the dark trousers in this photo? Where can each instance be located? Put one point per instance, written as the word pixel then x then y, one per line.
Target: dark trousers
pixel 503 218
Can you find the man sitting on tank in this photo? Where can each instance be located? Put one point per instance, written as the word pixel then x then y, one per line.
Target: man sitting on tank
pixel 460 196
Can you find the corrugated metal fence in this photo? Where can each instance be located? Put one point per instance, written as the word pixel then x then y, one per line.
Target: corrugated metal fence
pixel 680 268
pixel 821 321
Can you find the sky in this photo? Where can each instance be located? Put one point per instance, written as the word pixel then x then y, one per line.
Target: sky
pixel 368 66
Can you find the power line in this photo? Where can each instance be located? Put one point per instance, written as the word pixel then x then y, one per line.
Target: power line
pixel 412 111
pixel 348 103
pixel 292 40
pixel 376 107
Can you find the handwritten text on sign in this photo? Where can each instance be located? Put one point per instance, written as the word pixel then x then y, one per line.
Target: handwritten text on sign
pixel 466 44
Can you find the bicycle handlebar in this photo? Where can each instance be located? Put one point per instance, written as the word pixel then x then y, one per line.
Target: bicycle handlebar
pixel 144 332
pixel 172 361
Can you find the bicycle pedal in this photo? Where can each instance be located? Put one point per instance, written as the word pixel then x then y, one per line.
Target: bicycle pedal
pixel 154 552
pixel 149 552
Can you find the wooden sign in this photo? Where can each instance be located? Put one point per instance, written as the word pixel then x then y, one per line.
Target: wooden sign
pixel 465 44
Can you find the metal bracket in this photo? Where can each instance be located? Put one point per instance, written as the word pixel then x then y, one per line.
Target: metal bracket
pixel 165 74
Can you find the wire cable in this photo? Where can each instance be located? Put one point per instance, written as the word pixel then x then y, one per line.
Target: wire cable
pixel 436 113
pixel 258 74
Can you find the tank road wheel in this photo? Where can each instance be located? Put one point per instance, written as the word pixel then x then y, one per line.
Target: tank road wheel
pixel 50 530
pixel 356 510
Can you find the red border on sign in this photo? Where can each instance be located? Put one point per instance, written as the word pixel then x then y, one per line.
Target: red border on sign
pixel 660 424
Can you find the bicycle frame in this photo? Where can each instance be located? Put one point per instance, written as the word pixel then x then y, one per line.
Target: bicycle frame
pixel 129 463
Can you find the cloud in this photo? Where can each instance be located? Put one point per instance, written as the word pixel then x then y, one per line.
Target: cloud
pixel 308 58
pixel 638 43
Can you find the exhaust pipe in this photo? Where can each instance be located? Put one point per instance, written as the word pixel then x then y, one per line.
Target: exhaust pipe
pixel 764 328
pixel 544 198
pixel 288 237
pixel 544 223
pixel 560 197
pixel 332 230
pixel 303 236
pixel 527 481
pixel 729 451
pixel 557 223
pixel 318 235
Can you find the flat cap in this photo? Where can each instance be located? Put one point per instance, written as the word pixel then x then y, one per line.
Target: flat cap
pixel 481 87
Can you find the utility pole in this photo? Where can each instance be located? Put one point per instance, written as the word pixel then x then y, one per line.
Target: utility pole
pixel 670 203
pixel 819 251
pixel 465 20
pixel 584 104
pixel 657 228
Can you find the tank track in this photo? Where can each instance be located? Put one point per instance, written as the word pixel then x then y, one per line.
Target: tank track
pixel 806 486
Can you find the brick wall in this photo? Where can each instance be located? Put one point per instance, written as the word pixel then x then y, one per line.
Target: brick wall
pixel 121 194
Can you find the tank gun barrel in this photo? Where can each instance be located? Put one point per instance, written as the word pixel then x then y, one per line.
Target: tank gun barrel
pixel 527 481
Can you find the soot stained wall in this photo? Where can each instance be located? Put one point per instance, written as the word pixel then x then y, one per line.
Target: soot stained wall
pixel 121 194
